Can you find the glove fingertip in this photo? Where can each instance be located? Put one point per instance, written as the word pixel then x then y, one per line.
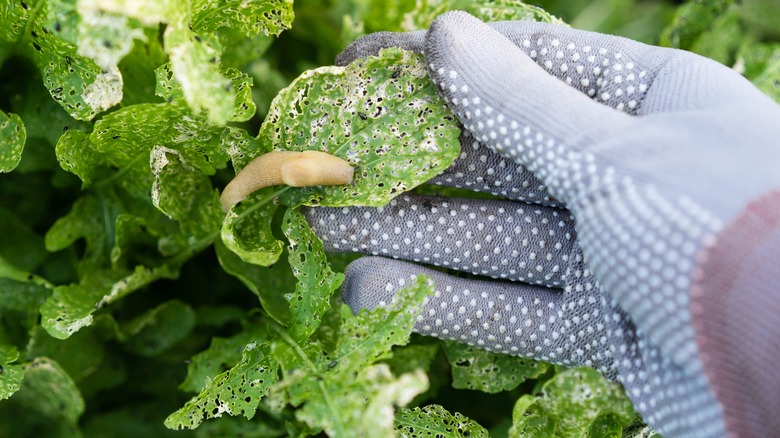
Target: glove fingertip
pixel 364 285
pixel 371 44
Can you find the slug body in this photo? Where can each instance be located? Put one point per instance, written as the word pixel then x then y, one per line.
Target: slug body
pixel 296 169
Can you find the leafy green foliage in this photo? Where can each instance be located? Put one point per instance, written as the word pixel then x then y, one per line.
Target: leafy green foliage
pixel 344 392
pixel 234 392
pixel 482 370
pixel 316 282
pixel 11 375
pixel 12 138
pixel 573 401
pixel 406 16
pixel 349 121
pixel 124 288
pixel 435 421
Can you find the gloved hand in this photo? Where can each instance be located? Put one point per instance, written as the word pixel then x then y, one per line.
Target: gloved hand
pixel 668 163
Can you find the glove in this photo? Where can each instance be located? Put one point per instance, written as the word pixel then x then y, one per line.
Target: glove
pixel 661 272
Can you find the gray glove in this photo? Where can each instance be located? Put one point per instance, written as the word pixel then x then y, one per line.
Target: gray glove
pixel 670 165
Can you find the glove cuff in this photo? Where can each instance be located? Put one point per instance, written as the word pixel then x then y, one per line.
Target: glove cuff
pixel 735 306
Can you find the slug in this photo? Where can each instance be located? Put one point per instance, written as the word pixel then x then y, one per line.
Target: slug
pixel 296 169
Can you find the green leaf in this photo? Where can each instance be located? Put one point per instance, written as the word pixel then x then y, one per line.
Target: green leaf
pixel 14 16
pixel 184 194
pixel 691 21
pixel 410 357
pixel 510 10
pixel 237 391
pixel 316 281
pixel 190 40
pixel 395 144
pixel 117 137
pixel 246 229
pixel 473 368
pixel 573 401
pixel 76 154
pixel 76 82
pixel 760 63
pixel 269 284
pixel 337 391
pixel 407 16
pixel 21 295
pixel 50 392
pixel 195 63
pixel 70 308
pixel 138 69
pixel 11 375
pixel 239 427
pixel 80 356
pixel 105 37
pixel 434 420
pixel 239 85
pixel 369 335
pixel 221 354
pixel 250 18
pixel 722 38
pixel 12 138
pixel 334 109
pixel 362 406
pixel 159 329
pixel 20 246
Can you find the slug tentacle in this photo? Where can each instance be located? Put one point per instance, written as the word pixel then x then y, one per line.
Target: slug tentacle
pixel 296 169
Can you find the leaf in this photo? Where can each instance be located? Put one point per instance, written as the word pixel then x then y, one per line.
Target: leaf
pixel 434 420
pixel 240 85
pixel 335 109
pixel 21 295
pixel 222 353
pixel 510 10
pixel 159 329
pixel 407 16
pixel 269 284
pixel 722 38
pixel 250 18
pixel 473 368
pixel 11 375
pixel 246 229
pixel 691 21
pixel 572 401
pixel 395 143
pixel 195 50
pixel 184 194
pixel 365 404
pixel 138 68
pixel 117 137
pixel 237 391
pixel 336 391
pixel 12 138
pixel 70 307
pixel 76 82
pixel 104 37
pixel 410 357
pixel 368 336
pixel 14 16
pixel 80 356
pixel 50 392
pixel 20 246
pixel 760 63
pixel 316 281
pixel 76 154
